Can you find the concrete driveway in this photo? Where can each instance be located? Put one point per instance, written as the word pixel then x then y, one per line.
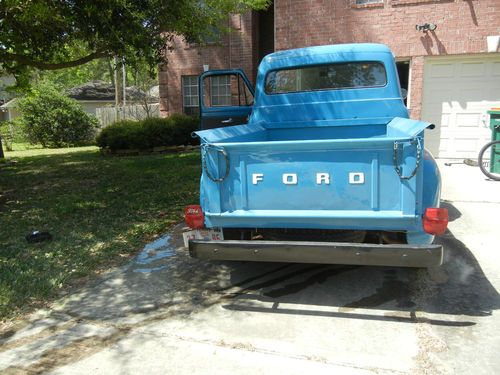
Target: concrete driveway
pixel 167 313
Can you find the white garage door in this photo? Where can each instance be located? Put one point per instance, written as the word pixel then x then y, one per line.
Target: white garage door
pixel 457 93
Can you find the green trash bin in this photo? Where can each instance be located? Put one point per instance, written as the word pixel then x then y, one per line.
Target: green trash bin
pixel 495 136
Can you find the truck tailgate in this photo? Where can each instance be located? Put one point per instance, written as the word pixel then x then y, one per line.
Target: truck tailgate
pixel 324 184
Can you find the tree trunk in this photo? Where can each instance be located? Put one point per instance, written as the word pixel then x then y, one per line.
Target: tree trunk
pixel 111 71
pixel 118 87
pixel 2 156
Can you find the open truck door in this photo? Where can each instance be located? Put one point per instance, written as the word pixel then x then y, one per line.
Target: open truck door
pixel 226 98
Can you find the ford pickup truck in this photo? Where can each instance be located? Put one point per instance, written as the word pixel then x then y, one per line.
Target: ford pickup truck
pixel 320 164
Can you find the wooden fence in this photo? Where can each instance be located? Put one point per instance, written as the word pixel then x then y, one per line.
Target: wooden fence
pixel 109 115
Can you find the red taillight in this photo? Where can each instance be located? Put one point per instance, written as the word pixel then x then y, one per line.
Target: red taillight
pixel 194 216
pixel 435 220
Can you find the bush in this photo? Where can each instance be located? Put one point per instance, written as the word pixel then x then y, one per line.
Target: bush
pixel 121 135
pixel 148 133
pixel 54 120
pixel 6 134
pixel 184 126
pixel 159 132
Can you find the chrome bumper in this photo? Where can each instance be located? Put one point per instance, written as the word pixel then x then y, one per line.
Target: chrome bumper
pixel 319 252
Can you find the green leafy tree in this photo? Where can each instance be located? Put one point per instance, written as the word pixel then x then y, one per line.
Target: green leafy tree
pixel 54 120
pixel 64 79
pixel 55 34
pixel 44 33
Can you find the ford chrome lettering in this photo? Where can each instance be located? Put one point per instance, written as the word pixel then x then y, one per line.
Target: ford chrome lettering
pixel 355 178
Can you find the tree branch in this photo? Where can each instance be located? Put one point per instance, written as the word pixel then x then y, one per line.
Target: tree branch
pixel 26 60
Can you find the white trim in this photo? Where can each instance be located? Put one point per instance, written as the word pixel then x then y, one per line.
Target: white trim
pixel 410 79
pixel 468 56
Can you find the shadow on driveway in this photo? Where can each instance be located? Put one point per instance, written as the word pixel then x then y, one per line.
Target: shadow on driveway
pixel 457 288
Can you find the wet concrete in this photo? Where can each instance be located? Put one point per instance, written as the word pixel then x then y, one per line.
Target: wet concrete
pixel 159 249
pixel 168 313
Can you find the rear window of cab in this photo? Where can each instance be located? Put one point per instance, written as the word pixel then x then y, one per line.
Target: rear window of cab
pixel 349 75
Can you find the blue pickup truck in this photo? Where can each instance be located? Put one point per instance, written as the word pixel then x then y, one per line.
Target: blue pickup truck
pixel 320 164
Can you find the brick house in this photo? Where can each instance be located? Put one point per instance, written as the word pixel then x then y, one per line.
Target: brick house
pixel 451 74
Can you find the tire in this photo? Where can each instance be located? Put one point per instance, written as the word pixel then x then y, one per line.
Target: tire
pixel 485 152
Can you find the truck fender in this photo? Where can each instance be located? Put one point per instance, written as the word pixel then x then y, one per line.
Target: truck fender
pixel 431 194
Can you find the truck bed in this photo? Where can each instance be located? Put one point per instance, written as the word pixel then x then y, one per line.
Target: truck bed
pixel 328 176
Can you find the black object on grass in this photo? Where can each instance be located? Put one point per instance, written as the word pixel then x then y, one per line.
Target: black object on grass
pixel 37 236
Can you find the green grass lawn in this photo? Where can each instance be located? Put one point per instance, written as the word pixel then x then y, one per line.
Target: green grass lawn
pixel 100 210
pixel 20 150
pixel 18 146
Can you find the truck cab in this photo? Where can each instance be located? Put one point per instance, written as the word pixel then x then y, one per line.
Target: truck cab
pixel 323 166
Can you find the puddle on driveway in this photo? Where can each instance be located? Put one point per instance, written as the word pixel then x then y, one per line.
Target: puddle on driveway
pixel 153 252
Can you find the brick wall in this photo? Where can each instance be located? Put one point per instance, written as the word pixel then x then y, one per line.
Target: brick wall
pixel 236 50
pixel 462 27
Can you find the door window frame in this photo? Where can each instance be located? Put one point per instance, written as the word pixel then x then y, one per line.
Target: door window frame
pixel 212 74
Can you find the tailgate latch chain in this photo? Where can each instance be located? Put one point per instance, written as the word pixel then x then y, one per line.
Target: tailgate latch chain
pixel 205 149
pixel 415 141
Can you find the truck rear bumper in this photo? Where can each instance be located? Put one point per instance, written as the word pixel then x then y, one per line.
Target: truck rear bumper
pixel 319 252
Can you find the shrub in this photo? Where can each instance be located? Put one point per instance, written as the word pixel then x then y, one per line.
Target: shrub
pixel 159 131
pixel 6 134
pixel 148 133
pixel 54 120
pixel 183 127
pixel 119 135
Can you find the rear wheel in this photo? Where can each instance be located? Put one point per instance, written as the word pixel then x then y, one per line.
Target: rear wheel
pixel 489 158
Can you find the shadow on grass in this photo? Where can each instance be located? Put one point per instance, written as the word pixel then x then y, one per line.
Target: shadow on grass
pixel 98 209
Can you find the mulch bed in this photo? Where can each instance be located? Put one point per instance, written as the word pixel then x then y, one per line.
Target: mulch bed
pixel 154 150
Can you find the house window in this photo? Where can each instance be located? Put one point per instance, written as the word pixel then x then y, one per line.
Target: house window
pixel 220 89
pixel 190 95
